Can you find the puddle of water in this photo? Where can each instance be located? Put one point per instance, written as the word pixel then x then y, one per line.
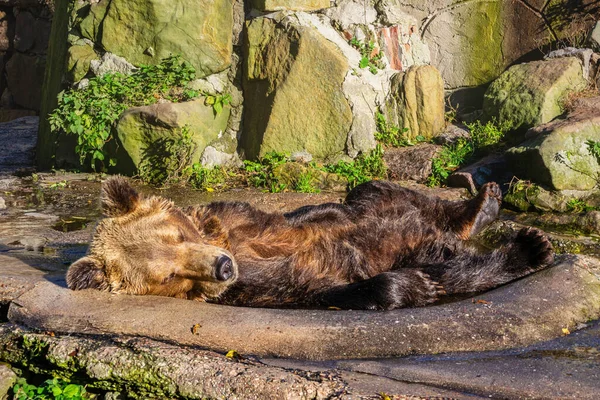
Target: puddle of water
pixel 71 224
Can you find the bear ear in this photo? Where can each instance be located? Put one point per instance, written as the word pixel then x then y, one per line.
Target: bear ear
pixel 118 197
pixel 86 273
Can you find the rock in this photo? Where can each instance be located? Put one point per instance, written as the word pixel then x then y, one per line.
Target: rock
pixel 403 47
pixel 530 94
pixel 527 311
pixel 416 102
pixel 146 31
pixel 9 115
pixel 19 139
pixel 110 63
pixel 212 157
pixel 559 154
pixel 292 5
pixel 594 38
pixel 2 204
pixel 584 55
pixel 6 100
pixel 142 131
pixel 7 379
pixel 349 15
pixel 293 90
pixel 25 74
pixel 493 168
pixel 410 163
pixel 6 34
pixel 452 134
pixel 31 33
pixel 78 64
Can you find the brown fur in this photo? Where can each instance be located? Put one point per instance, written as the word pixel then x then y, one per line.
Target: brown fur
pixel 385 247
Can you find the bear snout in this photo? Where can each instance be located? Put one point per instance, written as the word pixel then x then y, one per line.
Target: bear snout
pixel 224 269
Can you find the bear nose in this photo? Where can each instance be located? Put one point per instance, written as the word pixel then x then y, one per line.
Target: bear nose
pixel 224 269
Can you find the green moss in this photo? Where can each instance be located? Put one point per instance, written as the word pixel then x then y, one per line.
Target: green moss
pixel 484 43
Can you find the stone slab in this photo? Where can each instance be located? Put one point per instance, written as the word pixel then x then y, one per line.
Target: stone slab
pixel 533 309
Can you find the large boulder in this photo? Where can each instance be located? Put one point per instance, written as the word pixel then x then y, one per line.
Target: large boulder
pixel 78 64
pixel 530 94
pixel 146 31
pixel 416 102
pixel 25 75
pixel 293 90
pixel 142 131
pixel 560 154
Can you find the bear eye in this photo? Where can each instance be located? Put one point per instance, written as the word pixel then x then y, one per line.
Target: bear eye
pixel 180 236
pixel 169 278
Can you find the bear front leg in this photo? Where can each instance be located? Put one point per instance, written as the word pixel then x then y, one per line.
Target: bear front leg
pixel 469 272
pixel 386 291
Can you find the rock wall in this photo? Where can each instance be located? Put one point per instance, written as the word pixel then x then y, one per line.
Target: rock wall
pixel 24 34
pixel 309 75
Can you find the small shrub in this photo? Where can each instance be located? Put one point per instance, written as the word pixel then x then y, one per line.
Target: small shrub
pixel 450 158
pixel 305 182
pixel 391 135
pixel 486 136
pixel 369 59
pixel 51 389
pixel 363 169
pixel 261 173
pixel 578 206
pixel 207 179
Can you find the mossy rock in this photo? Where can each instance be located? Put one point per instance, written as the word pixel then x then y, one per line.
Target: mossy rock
pixel 147 31
pixel 530 94
pixel 142 131
pixel 78 64
pixel 294 99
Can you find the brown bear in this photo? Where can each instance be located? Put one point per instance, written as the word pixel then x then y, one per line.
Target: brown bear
pixel 384 247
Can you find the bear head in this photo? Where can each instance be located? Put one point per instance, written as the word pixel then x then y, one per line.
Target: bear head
pixel 148 246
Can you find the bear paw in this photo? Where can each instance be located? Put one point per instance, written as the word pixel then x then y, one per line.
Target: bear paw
pixel 407 288
pixel 536 247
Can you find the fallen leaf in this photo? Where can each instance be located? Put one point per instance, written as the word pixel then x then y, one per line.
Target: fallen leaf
pixel 333 308
pixel 566 331
pixel 233 355
pixel 479 301
pixel 196 329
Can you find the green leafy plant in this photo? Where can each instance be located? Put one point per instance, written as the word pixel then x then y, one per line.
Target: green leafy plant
pixel 218 102
pixel 486 136
pixel 578 206
pixel 305 181
pixel 51 389
pixel 90 113
pixel 363 169
pixel 449 159
pixel 261 173
pixel 521 194
pixel 370 58
pixel 391 135
pixel 207 179
pixel 166 160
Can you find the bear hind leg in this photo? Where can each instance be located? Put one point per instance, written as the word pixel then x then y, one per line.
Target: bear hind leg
pixel 477 213
pixel 469 272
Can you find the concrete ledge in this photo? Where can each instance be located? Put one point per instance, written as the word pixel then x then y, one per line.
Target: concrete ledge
pixel 525 312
